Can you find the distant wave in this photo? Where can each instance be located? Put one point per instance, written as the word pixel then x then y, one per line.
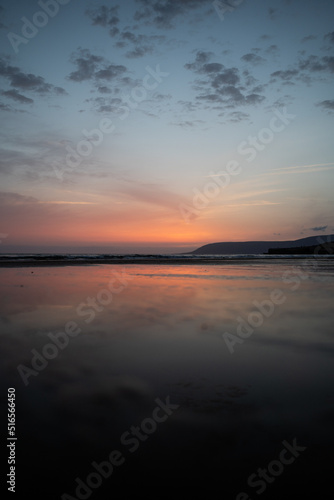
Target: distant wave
pixel 154 258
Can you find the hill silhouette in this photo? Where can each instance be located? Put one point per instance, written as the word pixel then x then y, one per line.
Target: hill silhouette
pixel 259 247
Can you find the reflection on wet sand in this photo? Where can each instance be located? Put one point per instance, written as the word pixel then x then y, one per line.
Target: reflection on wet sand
pixel 160 336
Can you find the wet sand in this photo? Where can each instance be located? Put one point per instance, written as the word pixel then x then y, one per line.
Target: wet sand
pixel 105 345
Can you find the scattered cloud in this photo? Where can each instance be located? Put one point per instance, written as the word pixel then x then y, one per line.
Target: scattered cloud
pixel 106 104
pixel 163 13
pixel 86 64
pixel 272 13
pixel 5 107
pixel 27 81
pixel 92 67
pixel 301 169
pixel 221 85
pixel 329 37
pixel 272 50
pixel 286 75
pixel 265 37
pixel 137 45
pixel 328 105
pixel 315 63
pixel 14 94
pixel 318 228
pixel 308 38
pixel 253 58
pixel 2 10
pixel 305 70
pixel 238 116
pixel 187 124
pixel 104 16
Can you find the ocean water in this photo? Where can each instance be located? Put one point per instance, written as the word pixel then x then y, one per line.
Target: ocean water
pixel 20 258
pixel 170 380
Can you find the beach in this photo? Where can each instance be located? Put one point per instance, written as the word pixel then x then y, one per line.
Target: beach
pixel 170 377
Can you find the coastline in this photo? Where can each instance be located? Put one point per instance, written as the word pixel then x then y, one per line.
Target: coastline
pixel 225 260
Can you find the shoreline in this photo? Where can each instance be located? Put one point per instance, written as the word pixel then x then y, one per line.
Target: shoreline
pixel 156 261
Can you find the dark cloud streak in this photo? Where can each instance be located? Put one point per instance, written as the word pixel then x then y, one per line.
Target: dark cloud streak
pixel 27 81
pixel 253 58
pixel 327 105
pixel 13 94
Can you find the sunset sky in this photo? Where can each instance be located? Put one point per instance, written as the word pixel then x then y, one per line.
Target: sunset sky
pixel 163 125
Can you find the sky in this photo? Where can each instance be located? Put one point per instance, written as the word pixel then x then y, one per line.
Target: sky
pixel 160 125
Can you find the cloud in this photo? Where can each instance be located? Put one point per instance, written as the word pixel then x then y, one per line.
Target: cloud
pixel 104 90
pixel 155 194
pixel 27 81
pixel 86 64
pixel 15 199
pixel 254 99
pixel 286 74
pixel 107 17
pixel 315 63
pixel 224 86
pixel 237 116
pixel 10 109
pixel 32 157
pixel 13 94
pixel 2 10
pixel 187 124
pixel 5 107
pixel 319 228
pixel 330 37
pixel 308 38
pixel 249 78
pixel 228 76
pixel 253 58
pixel 161 13
pixel 272 49
pixel 201 59
pixel 305 70
pixel 328 104
pixel 110 72
pixel 106 104
pixel 92 67
pixel 139 45
pixel 272 13
pixel 301 169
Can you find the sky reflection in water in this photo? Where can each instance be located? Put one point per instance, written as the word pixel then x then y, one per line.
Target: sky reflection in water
pixel 162 336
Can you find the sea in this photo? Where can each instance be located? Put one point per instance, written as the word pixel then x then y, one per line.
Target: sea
pixel 154 258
